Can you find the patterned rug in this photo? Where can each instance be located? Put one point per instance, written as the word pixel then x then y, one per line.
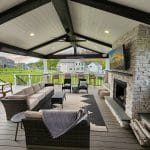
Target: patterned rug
pixel 77 101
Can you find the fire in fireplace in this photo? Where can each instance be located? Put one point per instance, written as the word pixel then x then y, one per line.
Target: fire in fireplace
pixel 119 92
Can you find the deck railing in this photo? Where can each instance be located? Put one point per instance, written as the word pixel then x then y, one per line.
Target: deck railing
pixel 27 79
pixel 92 79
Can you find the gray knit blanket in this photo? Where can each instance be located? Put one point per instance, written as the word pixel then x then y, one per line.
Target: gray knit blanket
pixel 59 122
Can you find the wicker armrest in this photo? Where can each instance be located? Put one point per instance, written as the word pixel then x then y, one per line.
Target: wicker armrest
pixel 13 106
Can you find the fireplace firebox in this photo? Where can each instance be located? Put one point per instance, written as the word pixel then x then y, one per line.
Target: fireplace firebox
pixel 119 92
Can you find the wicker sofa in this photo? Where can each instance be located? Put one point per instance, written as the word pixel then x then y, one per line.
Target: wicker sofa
pixel 38 136
pixel 31 98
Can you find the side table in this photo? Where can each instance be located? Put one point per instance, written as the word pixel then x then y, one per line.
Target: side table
pixel 17 118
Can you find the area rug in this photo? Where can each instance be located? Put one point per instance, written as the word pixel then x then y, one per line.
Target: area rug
pixel 77 101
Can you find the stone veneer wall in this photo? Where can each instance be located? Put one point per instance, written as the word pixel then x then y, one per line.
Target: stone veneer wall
pixel 137 42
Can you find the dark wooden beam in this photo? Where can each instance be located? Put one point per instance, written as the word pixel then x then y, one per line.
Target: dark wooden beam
pixel 78 56
pixel 89 49
pixel 46 43
pixel 63 12
pixel 21 9
pixel 18 51
pixel 118 9
pixel 58 51
pixel 94 40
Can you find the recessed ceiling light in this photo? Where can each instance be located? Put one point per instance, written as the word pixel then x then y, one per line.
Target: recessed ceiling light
pixel 32 34
pixel 106 31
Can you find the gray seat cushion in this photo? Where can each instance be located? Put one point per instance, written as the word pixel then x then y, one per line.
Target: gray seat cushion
pixel 36 87
pixel 42 85
pixel 40 96
pixel 32 102
pixel 46 90
pixel 34 99
pixel 20 93
pixel 29 91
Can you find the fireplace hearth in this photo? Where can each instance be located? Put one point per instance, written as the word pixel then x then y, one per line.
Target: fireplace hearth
pixel 119 92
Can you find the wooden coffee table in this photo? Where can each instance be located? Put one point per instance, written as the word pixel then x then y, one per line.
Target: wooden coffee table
pixel 58 98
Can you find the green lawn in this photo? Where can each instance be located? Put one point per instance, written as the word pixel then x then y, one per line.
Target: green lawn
pixel 7 75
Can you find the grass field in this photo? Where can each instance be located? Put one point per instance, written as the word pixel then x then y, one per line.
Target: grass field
pixel 7 74
pixel 25 77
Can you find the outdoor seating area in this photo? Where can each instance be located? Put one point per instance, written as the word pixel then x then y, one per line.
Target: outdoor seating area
pixel 30 98
pixel 75 75
pixel 33 125
pixel 37 134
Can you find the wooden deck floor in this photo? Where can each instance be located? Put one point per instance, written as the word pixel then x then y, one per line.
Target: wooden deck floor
pixel 116 138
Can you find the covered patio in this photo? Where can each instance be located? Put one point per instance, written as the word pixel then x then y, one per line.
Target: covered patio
pixel 115 138
pixel 81 29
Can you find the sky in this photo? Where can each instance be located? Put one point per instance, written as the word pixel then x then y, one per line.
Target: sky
pixel 19 58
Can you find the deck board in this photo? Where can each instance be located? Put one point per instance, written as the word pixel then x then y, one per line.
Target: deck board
pixel 116 138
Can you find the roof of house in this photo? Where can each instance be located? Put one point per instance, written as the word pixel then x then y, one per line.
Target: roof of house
pixel 42 28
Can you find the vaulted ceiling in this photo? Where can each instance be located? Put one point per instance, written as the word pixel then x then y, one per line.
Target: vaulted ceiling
pixel 46 28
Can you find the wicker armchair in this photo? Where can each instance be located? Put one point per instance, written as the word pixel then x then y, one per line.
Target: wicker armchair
pixel 82 85
pixel 38 136
pixel 67 84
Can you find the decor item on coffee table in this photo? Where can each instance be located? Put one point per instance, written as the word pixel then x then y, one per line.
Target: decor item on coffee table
pixel 58 98
pixel 66 84
pixel 38 136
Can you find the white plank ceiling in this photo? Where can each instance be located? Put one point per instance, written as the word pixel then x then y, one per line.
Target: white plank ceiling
pixel 94 46
pixel 67 51
pixel 46 25
pixel 93 22
pixel 43 22
pixel 6 4
pixel 52 47
pixel 143 5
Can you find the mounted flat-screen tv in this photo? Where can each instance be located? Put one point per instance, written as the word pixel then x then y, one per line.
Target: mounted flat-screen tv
pixel 117 58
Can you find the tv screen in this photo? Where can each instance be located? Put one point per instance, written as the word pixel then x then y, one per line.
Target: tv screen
pixel 117 58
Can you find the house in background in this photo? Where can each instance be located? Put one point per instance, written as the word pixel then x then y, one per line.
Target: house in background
pixel 71 66
pixel 95 67
pixel 6 63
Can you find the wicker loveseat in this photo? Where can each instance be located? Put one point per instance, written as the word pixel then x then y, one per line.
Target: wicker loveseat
pixel 31 98
pixel 38 136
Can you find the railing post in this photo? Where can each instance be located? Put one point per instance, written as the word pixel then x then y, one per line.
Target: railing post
pixel 45 78
pixel 15 80
pixel 30 82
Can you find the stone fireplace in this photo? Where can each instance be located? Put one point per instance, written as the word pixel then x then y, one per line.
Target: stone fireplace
pixel 119 92
pixel 133 91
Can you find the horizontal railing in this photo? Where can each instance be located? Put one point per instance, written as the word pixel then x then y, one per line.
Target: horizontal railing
pixel 27 79
pixel 94 79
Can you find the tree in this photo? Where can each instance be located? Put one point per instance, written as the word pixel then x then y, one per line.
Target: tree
pixel 52 63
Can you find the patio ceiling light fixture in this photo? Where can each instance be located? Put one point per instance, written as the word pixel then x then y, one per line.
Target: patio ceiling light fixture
pixel 106 31
pixel 32 34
